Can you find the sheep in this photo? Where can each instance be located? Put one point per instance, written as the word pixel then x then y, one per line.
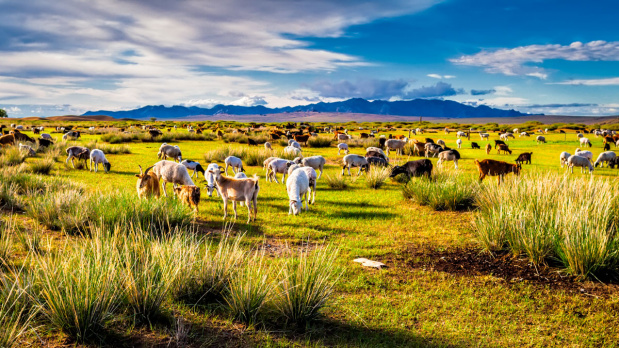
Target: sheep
pixel 97 156
pixel 505 136
pixel 166 151
pixel 586 154
pixel 605 157
pixel 147 184
pixel 563 158
pixel 450 155
pixel 342 146
pixel 460 134
pixel 278 166
pixel 297 186
pixel 28 149
pixel 267 146
pixel 524 134
pixel 315 162
pixel 584 142
pixel 238 190
pixel 291 150
pixel 355 161
pixel 81 153
pixel 516 130
pixel 540 139
pixel 433 148
pixel 189 195
pixel 265 164
pixel 343 137
pixel 234 162
pixel 578 161
pixel 210 179
pixel 377 161
pixel 311 174
pixel 441 142
pixel 488 148
pixel 172 172
pixel 294 143
pixel 459 142
pixel 579 135
pixel 484 136
pixel 72 134
pixel 195 166
pixel 46 136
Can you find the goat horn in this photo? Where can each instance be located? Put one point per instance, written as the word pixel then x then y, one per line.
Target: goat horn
pixel 147 169
pixel 140 169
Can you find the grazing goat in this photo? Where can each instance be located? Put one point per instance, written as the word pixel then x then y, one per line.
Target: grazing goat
pixel 450 155
pixel 605 157
pixel 195 166
pixel 496 168
pixel 504 148
pixel 172 172
pixel 210 179
pixel 81 153
pixel 18 136
pixel 278 166
pixel 267 146
pixel 488 148
pixel 166 151
pixel 28 149
pixel 342 146
pixel 297 186
pixel 578 161
pixel 474 145
pixel 235 163
pixel 97 156
pixel 419 148
pixel 435 149
pixel 505 136
pixel 302 138
pixel 44 142
pixel 541 139
pixel 395 144
pixel 147 184
pixel 607 147
pixel 189 195
pixel 563 158
pixel 72 135
pixel 238 190
pixel 524 157
pixel 355 161
pixel 315 162
pixel 413 169
pixel 498 142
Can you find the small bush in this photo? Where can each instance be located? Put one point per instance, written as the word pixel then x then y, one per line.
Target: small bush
pixel 306 284
pixel 336 182
pixel 319 142
pixel 444 191
pixel 376 177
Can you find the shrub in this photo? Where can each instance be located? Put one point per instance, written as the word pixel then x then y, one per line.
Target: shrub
pixel 336 182
pixel 248 290
pixel 319 142
pixel 444 191
pixel 306 284
pixel 376 177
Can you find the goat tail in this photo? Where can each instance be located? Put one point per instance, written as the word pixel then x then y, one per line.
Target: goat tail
pixel 255 179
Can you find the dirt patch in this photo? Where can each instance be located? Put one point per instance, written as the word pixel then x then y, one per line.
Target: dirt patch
pixel 503 265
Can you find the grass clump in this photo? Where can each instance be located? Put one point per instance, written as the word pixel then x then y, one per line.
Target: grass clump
pixel 376 177
pixel 318 142
pixel 444 191
pixel 16 314
pixel 43 166
pixel 248 290
pixel 9 198
pixel 336 182
pixel 109 149
pixel 306 283
pixel 11 156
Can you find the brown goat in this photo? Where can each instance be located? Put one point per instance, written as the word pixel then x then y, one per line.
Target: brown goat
pixel 496 168
pixel 148 183
pixel 302 138
pixel 504 148
pixel 488 149
pixel 238 190
pixel 189 195
pixel 7 140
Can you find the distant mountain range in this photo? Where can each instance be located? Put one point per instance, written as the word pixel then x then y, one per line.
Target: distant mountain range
pixel 417 107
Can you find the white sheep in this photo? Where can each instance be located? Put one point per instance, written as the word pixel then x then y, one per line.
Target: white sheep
pixel 265 164
pixel 343 147
pixel 605 157
pixel 267 146
pixel 395 144
pixel 355 161
pixel 524 134
pixel 584 142
pixel 563 158
pixel 172 172
pixel 210 179
pixel 28 149
pixel 97 156
pixel 297 186
pixel 173 152
pixel 343 137
pixel 582 162
pixel 540 139
pixel 585 154
pixel 195 166
pixel 294 143
pixel 460 134
pixel 234 162
pixel 291 150
pixel 459 142
pixel 516 130
pixel 278 166
pixel 315 162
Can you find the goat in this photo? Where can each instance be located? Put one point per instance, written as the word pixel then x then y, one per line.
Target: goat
pixel 474 145
pixel 355 161
pixel 173 152
pixel 277 166
pixel 488 148
pixel 524 157
pixel 189 195
pixel 504 148
pixel 315 162
pixel 172 172
pixel 297 186
pixel 422 167
pixel 342 146
pixel 147 184
pixel 29 150
pixel 71 134
pixel 432 148
pixel 498 142
pixel 81 153
pixel 450 155
pixel 496 168
pixel 97 156
pixel 267 146
pixel 210 179
pixel 195 166
pixel 235 163
pixel 238 190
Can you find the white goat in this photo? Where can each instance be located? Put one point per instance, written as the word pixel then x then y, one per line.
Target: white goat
pixel 210 179
pixel 173 152
pixel 238 190
pixel 315 162
pixel 605 157
pixel 582 162
pixel 278 166
pixel 172 172
pixel 355 161
pixel 97 156
pixel 234 162
pixel 343 147
pixel 459 142
pixel 195 166
pixel 395 144
pixel 297 186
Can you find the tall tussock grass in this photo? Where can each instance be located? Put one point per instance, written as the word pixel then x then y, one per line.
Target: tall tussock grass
pixel 16 311
pixel 306 283
pixel 11 156
pixel 319 142
pixel 443 191
pixel 43 166
pixel 552 216
pixel 117 138
pixel 376 177
pixel 248 290
pixel 336 182
pixel 109 149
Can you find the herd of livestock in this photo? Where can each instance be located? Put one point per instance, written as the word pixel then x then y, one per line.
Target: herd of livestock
pixel 302 172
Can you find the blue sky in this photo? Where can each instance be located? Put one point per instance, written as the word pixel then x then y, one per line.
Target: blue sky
pixel 67 57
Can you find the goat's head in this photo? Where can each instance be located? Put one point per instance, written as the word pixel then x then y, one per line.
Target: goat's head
pixel 296 207
pixel 144 178
pixel 107 166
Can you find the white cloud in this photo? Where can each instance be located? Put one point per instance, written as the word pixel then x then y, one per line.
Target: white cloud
pixel 613 81
pixel 502 90
pixel 437 76
pixel 515 61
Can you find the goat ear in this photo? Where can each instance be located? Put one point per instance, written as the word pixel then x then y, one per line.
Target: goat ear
pixel 137 175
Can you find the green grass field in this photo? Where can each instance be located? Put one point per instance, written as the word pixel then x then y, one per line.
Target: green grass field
pixel 406 304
